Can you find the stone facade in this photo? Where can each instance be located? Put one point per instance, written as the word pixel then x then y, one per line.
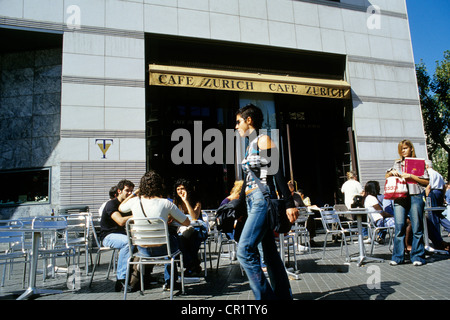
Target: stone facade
pixel 102 77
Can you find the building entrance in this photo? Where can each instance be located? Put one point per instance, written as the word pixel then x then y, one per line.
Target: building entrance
pixel 315 145
pixel 313 151
pixel 177 120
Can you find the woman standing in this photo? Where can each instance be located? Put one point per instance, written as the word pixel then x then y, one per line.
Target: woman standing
pixel 412 205
pixel 256 229
pixel 184 198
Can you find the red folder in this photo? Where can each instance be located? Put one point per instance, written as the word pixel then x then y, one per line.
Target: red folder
pixel 415 166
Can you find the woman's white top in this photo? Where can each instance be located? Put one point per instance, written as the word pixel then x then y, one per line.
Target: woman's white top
pixel 154 208
pixel 369 203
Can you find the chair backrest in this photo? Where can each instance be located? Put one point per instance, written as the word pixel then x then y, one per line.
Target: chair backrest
pixel 11 238
pixel 78 226
pixel 302 215
pixel 54 230
pixel 66 210
pixel 148 232
pixel 371 220
pixel 209 216
pixel 329 219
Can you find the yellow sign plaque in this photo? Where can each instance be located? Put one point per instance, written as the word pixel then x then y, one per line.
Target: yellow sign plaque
pixel 249 82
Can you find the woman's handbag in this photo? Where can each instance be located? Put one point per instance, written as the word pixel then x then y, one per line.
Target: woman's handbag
pixel 395 188
pixel 276 210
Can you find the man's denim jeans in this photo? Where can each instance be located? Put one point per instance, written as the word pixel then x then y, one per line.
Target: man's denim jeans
pixel 411 206
pixel 119 241
pixel 256 231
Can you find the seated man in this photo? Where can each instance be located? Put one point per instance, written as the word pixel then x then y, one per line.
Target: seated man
pixel 112 230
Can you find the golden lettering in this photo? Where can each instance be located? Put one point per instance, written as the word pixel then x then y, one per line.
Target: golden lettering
pixel 235 84
pixel 162 78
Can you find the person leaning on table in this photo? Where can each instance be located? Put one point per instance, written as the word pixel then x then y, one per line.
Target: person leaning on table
pixel 413 205
pixel 112 231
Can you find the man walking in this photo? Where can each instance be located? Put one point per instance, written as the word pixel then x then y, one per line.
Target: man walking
pixel 112 231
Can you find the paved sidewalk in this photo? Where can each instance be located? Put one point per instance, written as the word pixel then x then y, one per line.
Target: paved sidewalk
pixel 320 279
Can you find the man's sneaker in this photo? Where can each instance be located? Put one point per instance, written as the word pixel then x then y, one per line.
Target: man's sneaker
pixel 393 263
pixel 417 263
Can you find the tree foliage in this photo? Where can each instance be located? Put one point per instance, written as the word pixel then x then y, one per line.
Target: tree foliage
pixel 435 102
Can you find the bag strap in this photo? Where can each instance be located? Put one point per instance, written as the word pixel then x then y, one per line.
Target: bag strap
pixel 263 189
pixel 242 194
pixel 142 208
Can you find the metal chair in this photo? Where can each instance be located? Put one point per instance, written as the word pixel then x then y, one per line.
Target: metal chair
pixel 54 243
pixel 289 246
pixel 300 232
pixel 373 230
pixel 222 241
pixel 78 231
pixel 332 225
pixel 12 241
pixel 152 232
pixel 99 249
pixel 206 244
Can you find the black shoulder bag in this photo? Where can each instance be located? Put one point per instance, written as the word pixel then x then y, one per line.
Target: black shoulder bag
pixel 227 213
pixel 277 219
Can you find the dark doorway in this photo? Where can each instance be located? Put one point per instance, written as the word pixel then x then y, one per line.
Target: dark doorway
pixel 178 108
pixel 318 144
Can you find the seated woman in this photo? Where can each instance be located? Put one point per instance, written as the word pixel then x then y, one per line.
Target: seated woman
pixel 371 201
pixel 149 195
pixel 186 200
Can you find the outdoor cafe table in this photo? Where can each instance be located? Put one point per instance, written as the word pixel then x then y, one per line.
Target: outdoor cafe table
pixel 359 213
pixel 425 230
pixel 37 229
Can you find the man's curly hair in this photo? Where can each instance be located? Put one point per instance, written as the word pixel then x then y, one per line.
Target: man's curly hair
pixel 151 185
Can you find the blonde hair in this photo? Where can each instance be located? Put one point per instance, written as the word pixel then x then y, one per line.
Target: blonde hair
pixel 409 144
pixel 237 187
pixel 351 175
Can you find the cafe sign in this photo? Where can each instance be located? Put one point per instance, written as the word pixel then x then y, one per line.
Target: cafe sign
pixel 248 82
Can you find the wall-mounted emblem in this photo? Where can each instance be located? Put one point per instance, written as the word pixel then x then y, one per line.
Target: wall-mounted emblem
pixel 104 145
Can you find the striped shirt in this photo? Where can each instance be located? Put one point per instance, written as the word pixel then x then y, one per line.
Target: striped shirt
pixel 257 163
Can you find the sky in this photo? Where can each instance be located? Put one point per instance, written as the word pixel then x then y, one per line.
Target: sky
pixel 429 22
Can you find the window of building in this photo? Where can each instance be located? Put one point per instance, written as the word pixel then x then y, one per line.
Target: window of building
pixel 21 187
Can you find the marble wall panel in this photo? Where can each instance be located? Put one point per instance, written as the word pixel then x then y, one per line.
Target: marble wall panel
pixel 30 107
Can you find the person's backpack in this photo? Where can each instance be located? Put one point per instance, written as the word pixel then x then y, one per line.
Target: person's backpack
pixel 228 213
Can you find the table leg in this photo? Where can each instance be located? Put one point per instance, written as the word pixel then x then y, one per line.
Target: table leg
pixel 362 251
pixel 32 290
